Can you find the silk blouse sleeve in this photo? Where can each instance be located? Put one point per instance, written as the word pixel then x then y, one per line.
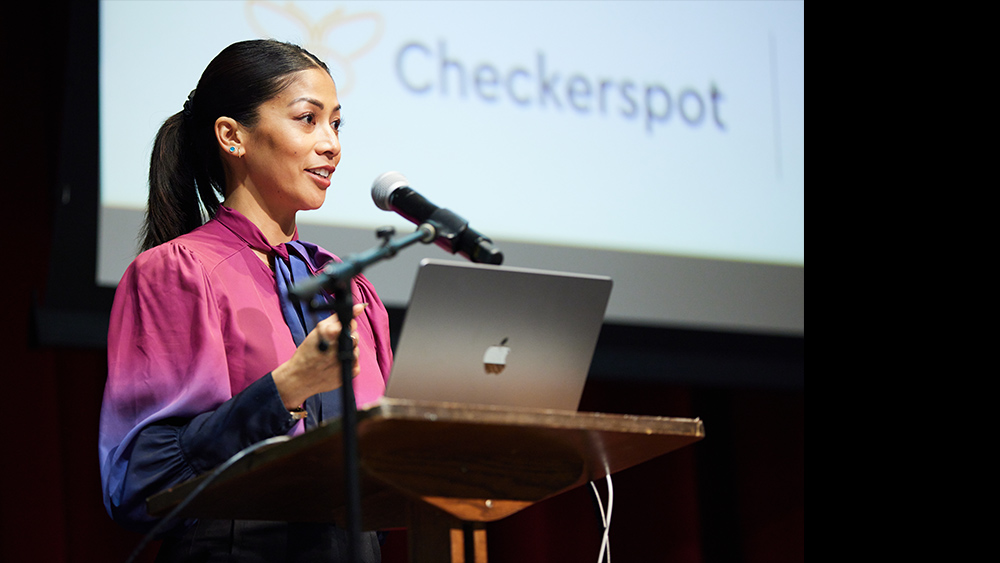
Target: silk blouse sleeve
pixel 376 323
pixel 169 413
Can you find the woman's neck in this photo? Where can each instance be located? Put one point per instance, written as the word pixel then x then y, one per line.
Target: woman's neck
pixel 276 230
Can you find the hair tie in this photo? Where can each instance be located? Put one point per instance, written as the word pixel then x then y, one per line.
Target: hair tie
pixel 189 106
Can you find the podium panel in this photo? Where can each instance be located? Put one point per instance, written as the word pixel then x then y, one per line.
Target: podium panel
pixel 474 463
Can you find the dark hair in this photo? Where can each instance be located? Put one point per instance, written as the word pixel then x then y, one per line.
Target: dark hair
pixel 185 167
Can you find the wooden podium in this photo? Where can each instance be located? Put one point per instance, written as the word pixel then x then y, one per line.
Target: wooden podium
pixel 439 469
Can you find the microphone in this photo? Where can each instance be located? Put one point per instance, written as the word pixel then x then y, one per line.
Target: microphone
pixel 392 192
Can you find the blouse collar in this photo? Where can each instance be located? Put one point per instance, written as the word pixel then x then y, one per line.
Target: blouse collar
pixel 249 233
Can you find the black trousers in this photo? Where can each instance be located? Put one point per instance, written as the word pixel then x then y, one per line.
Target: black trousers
pixel 249 541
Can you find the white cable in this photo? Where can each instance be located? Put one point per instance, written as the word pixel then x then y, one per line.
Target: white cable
pixel 605 519
pixel 606 542
pixel 600 505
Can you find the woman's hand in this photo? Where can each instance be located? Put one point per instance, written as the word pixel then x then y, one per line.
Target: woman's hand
pixel 310 371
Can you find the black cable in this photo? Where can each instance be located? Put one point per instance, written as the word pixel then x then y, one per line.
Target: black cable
pixel 169 518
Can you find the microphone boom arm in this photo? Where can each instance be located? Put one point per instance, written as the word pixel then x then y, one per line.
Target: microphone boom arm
pixel 339 274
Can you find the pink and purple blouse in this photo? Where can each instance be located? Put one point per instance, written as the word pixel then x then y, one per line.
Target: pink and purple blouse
pixel 196 328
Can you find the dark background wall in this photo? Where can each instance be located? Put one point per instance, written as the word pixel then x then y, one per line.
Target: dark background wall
pixel 736 496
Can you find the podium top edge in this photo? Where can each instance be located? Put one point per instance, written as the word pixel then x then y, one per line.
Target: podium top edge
pixel 406 409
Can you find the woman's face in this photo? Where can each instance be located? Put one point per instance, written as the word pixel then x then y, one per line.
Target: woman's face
pixel 293 150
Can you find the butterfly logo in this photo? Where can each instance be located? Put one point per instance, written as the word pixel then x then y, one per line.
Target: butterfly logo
pixel 338 38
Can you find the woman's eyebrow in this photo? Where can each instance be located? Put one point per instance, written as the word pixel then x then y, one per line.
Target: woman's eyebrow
pixel 312 101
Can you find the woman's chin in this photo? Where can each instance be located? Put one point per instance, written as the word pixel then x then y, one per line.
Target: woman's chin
pixel 314 203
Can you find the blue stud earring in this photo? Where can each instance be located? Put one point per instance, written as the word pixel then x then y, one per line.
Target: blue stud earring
pixel 232 149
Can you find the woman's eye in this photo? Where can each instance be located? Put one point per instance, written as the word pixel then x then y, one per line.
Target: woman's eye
pixel 308 118
pixel 337 124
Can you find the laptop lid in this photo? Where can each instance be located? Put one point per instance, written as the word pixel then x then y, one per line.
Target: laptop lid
pixel 498 335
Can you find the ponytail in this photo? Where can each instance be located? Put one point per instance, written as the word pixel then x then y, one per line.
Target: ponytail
pixel 173 208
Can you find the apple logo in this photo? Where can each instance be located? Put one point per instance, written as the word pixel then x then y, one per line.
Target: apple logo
pixel 495 358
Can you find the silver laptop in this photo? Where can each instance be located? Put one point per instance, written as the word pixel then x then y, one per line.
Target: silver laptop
pixel 497 335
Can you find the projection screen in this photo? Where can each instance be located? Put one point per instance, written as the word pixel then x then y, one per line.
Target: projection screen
pixel 658 143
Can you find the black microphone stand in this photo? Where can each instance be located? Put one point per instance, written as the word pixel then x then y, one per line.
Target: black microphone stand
pixel 336 279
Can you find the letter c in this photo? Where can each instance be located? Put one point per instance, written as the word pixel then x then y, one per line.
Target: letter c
pixel 510 86
pixel 399 68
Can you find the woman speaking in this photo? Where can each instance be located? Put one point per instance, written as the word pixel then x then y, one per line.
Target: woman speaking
pixel 206 353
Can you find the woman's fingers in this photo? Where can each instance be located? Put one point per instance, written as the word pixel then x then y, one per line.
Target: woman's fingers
pixel 315 366
pixel 329 329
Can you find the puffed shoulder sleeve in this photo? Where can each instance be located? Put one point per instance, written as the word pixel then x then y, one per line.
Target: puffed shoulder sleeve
pixel 377 319
pixel 168 412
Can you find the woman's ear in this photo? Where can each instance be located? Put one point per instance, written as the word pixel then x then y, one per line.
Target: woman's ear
pixel 229 134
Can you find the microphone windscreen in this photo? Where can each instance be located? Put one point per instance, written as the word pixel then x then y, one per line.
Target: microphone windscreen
pixel 384 185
